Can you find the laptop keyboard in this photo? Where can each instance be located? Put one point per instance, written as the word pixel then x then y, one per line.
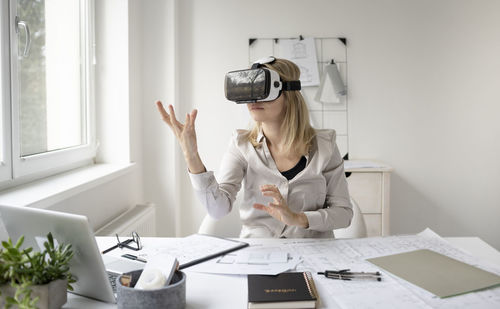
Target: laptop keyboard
pixel 112 279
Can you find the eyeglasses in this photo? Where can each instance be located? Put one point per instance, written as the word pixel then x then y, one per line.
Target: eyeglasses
pixel 136 240
pixel 133 243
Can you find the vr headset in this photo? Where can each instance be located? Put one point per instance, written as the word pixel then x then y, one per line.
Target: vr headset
pixel 257 84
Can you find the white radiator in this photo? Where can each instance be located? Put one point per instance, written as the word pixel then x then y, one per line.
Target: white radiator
pixel 141 219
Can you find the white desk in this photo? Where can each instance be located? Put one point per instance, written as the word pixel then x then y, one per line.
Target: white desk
pixel 225 291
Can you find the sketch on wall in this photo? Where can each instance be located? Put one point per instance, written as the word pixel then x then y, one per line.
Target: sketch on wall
pixel 325 113
pixel 303 54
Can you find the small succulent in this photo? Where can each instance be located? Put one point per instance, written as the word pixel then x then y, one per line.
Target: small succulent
pixel 23 268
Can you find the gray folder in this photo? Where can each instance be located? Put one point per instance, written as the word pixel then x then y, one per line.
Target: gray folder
pixel 437 273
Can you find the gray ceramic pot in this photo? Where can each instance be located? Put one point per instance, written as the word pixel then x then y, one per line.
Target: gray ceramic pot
pixel 51 295
pixel 172 296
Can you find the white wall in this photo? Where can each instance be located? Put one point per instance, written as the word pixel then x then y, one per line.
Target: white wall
pixel 160 82
pixel 422 74
pixel 118 97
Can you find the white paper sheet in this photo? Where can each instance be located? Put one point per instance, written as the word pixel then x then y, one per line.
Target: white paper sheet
pixel 259 260
pixel 261 257
pixel 303 54
pixel 186 249
pixel 192 247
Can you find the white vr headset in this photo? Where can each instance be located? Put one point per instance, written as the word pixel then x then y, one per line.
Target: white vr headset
pixel 257 84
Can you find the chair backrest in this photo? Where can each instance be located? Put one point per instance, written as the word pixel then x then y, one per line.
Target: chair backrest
pixel 230 225
pixel 357 229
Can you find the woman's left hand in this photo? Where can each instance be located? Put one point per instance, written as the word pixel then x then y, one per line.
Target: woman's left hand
pixel 279 209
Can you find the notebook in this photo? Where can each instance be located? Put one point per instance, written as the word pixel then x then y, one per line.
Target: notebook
pixel 286 290
pixel 92 273
pixel 439 274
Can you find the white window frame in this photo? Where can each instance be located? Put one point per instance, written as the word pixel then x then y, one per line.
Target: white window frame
pixel 23 169
pixel 5 138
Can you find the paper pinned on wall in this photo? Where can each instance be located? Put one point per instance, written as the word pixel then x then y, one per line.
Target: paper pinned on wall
pixel 303 54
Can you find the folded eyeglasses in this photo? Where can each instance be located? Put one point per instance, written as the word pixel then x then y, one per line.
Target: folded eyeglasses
pixel 133 243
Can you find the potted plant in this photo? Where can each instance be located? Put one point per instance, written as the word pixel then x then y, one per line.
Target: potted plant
pixel 30 279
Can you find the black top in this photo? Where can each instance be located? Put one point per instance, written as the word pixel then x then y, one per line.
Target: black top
pixel 296 169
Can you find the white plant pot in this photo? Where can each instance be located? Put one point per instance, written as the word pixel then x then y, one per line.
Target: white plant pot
pixel 51 295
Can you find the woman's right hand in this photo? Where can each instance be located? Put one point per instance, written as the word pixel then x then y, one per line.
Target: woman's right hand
pixel 186 135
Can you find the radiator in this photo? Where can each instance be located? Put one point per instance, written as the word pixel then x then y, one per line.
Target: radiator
pixel 140 218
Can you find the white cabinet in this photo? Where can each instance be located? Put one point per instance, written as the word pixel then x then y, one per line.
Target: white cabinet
pixel 369 186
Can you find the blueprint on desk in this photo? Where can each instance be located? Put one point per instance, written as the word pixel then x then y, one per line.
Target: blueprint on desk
pixel 317 255
pixel 391 292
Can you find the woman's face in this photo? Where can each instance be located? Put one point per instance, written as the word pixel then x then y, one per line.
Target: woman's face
pixel 271 111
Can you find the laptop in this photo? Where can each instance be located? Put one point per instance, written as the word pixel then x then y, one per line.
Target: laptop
pixel 94 272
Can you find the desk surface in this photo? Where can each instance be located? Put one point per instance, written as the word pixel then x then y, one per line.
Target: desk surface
pixel 230 291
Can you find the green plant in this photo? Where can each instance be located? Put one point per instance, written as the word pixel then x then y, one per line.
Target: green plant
pixel 23 268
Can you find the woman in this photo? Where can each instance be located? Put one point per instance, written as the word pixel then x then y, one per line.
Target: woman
pixel 292 175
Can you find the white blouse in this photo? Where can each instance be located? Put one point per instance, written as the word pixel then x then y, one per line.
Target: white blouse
pixel 319 190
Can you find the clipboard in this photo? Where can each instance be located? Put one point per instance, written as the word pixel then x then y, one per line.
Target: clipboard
pixel 439 274
pixel 213 246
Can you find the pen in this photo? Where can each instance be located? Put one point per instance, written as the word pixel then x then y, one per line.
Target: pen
pixel 118 245
pixel 133 257
pixel 345 274
pixel 109 249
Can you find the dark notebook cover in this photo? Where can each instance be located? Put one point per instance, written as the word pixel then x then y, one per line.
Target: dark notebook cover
pixel 280 288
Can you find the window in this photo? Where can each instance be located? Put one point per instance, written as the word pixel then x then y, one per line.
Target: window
pixel 47 120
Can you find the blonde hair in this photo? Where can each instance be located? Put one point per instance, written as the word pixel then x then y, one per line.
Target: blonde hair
pixel 298 133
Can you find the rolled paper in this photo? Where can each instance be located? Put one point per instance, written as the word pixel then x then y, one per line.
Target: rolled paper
pixel 331 87
pixel 151 278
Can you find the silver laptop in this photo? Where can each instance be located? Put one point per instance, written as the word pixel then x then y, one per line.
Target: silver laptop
pixel 87 265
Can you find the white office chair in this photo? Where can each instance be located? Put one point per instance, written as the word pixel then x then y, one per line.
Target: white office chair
pixel 357 229
pixel 230 225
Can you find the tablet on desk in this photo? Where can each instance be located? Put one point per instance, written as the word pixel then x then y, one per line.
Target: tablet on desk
pixel 199 248
pixel 196 248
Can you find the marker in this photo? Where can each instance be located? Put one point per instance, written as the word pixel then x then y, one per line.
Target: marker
pixel 133 257
pixel 345 274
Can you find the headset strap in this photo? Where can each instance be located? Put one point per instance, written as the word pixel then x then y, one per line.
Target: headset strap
pixel 257 64
pixel 287 85
pixel 291 85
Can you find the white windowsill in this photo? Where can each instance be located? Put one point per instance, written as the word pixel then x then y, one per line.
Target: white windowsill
pixel 48 191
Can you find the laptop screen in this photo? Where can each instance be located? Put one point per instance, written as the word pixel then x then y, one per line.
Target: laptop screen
pixel 86 265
